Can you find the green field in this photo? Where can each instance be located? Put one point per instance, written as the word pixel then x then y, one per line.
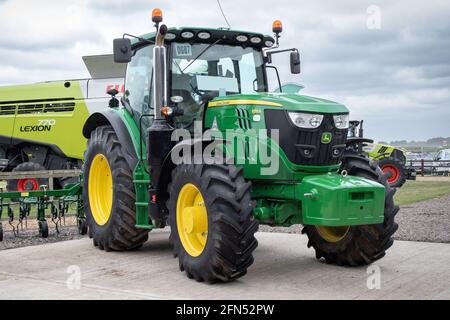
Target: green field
pixel 416 191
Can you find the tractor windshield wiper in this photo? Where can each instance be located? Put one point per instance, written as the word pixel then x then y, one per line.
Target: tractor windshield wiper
pixel 201 54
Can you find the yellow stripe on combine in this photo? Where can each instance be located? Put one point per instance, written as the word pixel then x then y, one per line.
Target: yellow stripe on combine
pixel 221 103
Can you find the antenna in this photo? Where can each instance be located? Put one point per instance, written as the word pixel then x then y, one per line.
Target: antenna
pixel 223 14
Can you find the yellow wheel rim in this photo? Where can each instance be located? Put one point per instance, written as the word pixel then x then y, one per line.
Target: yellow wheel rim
pixel 192 220
pixel 333 234
pixel 100 189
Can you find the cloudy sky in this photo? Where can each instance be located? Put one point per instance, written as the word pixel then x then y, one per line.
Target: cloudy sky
pixel 388 61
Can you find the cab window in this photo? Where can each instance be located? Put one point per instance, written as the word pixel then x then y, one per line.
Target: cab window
pixel 138 84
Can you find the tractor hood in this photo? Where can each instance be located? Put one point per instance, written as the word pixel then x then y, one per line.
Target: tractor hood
pixel 292 102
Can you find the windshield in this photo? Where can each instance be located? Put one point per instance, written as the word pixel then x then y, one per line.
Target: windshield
pixel 218 69
pixel 201 72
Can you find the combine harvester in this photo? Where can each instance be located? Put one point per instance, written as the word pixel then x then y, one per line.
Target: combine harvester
pixel 41 140
pixel 392 160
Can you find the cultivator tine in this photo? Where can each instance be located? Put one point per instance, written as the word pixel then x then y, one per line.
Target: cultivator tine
pixel 63 208
pixel 56 218
pixel 19 226
pixel 11 220
pixel 24 213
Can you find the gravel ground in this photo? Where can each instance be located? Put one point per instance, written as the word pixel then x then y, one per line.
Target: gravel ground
pixel 423 221
pixel 30 237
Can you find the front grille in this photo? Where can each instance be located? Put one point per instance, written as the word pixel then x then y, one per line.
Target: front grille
pixel 243 117
pixel 37 106
pixel 304 146
pixel 7 110
pixel 47 107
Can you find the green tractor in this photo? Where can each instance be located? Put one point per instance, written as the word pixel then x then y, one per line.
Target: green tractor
pixel 193 92
pixel 391 160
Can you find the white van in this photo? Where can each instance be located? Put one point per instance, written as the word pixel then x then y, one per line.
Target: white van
pixel 443 157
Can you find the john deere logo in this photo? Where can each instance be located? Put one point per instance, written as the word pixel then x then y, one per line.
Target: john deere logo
pixel 326 137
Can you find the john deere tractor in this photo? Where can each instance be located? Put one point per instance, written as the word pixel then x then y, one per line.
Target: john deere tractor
pixel 192 92
pixel 391 160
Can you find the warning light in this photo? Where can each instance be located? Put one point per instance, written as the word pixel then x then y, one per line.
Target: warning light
pixel 277 26
pixel 157 15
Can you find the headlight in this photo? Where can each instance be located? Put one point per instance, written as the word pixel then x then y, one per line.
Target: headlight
pixel 306 120
pixel 170 36
pixel 341 121
pixel 242 38
pixel 187 34
pixel 255 40
pixel 204 35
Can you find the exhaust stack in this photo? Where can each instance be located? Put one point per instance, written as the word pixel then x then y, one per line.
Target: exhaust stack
pixel 160 73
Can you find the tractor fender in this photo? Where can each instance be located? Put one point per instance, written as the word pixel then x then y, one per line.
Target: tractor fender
pixel 109 117
pixel 169 165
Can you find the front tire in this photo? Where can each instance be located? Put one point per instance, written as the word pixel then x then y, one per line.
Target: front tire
pixel 212 223
pixel 109 194
pixel 357 245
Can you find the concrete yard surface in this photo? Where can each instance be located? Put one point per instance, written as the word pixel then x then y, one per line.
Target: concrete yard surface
pixel 284 268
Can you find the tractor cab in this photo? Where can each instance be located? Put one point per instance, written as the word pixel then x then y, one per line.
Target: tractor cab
pixel 196 65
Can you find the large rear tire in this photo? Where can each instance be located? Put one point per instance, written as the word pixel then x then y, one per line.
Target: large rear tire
pixel 212 223
pixel 109 194
pixel 357 245
pixel 395 170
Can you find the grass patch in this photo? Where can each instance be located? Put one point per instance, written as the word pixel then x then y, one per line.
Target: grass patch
pixel 416 191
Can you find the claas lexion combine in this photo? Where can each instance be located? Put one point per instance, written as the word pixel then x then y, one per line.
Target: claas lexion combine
pixel 391 160
pixel 42 146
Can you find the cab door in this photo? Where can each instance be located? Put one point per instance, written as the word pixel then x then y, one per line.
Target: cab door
pixel 138 87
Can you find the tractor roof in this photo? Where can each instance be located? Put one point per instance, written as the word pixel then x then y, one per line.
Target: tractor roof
pixel 227 37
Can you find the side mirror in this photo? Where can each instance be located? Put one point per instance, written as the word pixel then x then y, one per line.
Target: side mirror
pixel 122 50
pixel 295 62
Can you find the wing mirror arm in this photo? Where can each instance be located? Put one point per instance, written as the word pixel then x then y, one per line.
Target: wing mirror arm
pixel 294 58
